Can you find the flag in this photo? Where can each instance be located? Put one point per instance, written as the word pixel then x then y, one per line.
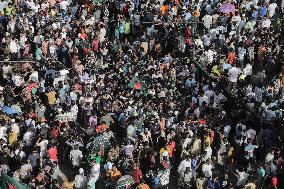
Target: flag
pixel 8 182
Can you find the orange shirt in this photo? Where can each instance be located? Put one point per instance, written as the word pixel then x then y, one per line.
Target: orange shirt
pixel 101 128
pixel 115 175
pixel 143 186
pixel 164 10
pixel 196 13
pixel 171 148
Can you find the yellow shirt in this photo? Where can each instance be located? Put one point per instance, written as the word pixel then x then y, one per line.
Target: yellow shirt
pixel 163 150
pixel 207 140
pixel 127 28
pixel 196 13
pixel 53 13
pixel 51 97
pixel 13 137
pixel 9 10
pixel 230 152
pixel 68 185
pixel 250 186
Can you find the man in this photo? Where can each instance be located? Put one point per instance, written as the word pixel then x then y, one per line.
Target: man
pixel 233 75
pixel 76 156
pixel 80 180
pixel 64 5
pixel 164 175
pixel 114 174
pixel 185 164
pixel 207 21
pixel 95 171
pixel 143 185
pixel 207 168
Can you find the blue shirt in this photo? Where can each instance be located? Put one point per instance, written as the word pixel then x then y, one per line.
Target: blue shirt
pixel 263 11
pixel 193 165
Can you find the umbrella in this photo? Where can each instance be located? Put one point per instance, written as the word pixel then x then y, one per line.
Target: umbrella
pixel 226 8
pixel 124 181
pixel 8 110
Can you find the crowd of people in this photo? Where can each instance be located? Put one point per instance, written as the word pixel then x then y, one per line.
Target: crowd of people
pixel 158 94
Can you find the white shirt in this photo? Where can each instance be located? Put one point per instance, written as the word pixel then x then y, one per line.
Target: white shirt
pixel 209 93
pixel 76 156
pixel 13 46
pixel 250 134
pixel 25 170
pixel 95 171
pixel 3 5
pixel 43 146
pixel 28 137
pixel 266 23
pixel 247 70
pixel 207 21
pixel 184 165
pixel 74 111
pixel 3 133
pixel 164 177
pixel 34 76
pixel 18 80
pixel 15 128
pixel 208 154
pixel 207 169
pixel 242 178
pixel 271 9
pixel 80 181
pixel 233 74
pixel 203 99
pixel 64 5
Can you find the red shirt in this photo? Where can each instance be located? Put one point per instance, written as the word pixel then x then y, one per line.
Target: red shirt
pixel 274 182
pixel 53 153
pixel 137 174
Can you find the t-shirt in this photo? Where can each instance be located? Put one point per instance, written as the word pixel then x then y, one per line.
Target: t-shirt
pixel 51 97
pixel 272 8
pixel 68 185
pixel 64 5
pixel 233 74
pixel 76 156
pixel 143 186
pixel 43 145
pixel 260 172
pixel 53 153
pixel 92 183
pixel 164 177
pixel 249 149
pixel 137 174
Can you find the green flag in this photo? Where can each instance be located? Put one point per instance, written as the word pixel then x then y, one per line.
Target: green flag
pixel 8 182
